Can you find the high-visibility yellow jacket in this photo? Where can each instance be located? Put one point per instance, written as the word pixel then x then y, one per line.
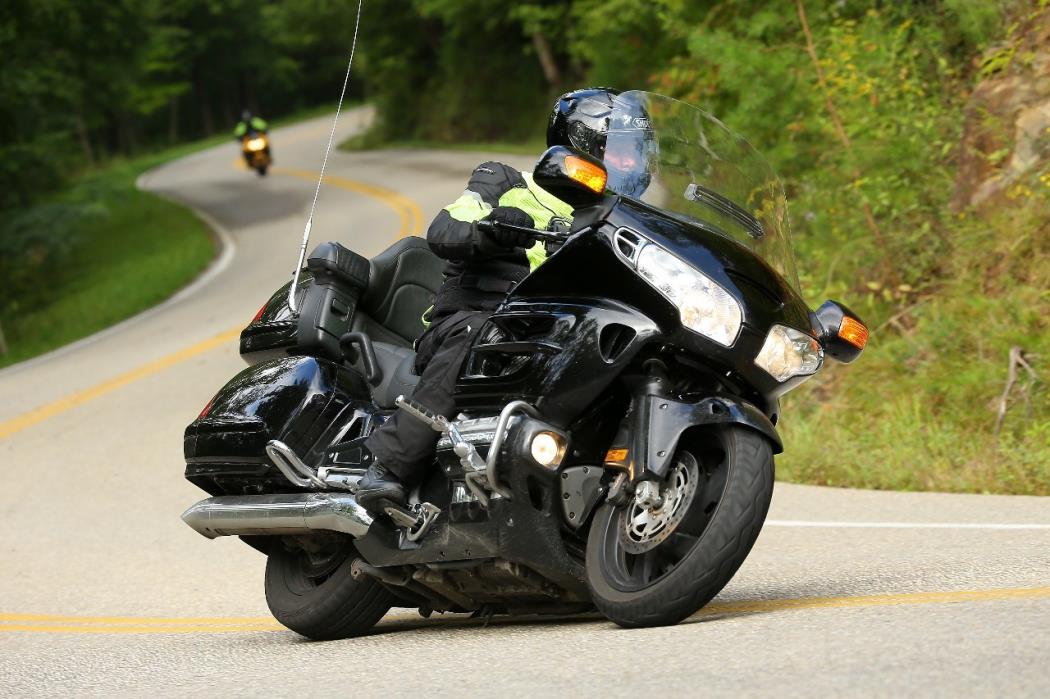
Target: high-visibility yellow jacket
pixel 479 273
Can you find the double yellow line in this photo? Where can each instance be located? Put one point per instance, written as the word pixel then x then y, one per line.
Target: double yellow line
pixel 410 223
pixel 54 623
pixel 408 211
pixel 57 623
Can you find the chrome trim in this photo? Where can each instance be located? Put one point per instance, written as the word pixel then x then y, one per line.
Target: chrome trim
pixel 257 515
pixel 293 468
pixel 497 441
pixel 631 239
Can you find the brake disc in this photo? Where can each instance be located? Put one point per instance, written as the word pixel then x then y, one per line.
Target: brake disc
pixel 645 527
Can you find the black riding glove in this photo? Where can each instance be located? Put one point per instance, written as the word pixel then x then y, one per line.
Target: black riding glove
pixel 511 238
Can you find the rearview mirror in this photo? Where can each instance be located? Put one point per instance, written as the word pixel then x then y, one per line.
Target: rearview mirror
pixel 577 179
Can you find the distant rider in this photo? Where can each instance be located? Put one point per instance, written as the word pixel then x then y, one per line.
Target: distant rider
pixel 482 268
pixel 249 125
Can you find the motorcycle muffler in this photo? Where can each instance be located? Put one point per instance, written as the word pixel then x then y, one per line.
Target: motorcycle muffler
pixel 262 515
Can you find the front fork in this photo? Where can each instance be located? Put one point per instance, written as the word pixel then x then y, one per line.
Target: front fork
pixel 648 438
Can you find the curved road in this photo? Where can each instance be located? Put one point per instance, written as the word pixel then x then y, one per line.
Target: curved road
pixel 104 591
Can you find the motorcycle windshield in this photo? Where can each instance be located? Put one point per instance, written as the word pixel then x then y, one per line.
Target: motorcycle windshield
pixel 686 162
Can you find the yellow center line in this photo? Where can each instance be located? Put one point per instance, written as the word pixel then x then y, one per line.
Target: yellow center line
pixel 168 621
pixel 776 605
pixel 407 210
pixel 411 223
pixel 54 623
pixel 61 405
pixel 131 628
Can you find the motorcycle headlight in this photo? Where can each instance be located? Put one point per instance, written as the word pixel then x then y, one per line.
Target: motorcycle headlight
pixel 704 306
pixel 257 144
pixel 788 352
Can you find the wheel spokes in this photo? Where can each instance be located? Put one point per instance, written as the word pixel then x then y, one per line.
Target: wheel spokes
pixel 643 567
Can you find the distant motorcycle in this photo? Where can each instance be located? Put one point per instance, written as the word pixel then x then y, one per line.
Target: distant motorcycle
pixel 618 426
pixel 255 147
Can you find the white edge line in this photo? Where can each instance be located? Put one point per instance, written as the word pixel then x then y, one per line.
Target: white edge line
pixel 227 251
pixel 899 525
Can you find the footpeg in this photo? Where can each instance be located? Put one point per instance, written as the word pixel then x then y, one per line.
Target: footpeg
pixel 468 456
pixel 416 520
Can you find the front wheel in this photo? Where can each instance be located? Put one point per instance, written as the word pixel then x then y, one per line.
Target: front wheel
pixel 655 560
pixel 310 590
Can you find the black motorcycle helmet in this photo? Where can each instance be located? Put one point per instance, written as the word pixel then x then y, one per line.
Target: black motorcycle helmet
pixel 246 115
pixel 581 120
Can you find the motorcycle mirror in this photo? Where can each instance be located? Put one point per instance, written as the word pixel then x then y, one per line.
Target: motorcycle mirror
pixel 577 179
pixel 840 331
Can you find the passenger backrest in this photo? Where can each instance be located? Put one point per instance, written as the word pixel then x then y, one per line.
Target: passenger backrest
pixel 402 282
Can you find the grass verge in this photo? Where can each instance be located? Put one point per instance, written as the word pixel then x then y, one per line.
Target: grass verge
pixel 127 250
pixel 920 409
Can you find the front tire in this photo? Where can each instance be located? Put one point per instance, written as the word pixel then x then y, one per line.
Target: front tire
pixel 314 594
pixel 663 570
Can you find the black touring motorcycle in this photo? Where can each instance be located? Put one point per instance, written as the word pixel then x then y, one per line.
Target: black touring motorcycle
pixel 618 412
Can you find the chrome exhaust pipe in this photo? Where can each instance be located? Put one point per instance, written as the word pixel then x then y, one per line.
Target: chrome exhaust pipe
pixel 259 515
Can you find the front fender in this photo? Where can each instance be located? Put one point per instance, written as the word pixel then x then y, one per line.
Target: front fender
pixel 658 424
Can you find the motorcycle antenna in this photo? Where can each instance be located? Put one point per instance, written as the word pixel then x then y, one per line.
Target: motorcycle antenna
pixel 320 179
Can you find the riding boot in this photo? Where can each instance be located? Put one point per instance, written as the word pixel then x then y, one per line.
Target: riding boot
pixel 378 484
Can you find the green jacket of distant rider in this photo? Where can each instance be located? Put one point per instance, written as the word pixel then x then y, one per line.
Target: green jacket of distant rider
pixel 249 124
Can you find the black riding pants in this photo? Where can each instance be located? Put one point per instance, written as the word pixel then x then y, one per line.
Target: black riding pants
pixel 404 444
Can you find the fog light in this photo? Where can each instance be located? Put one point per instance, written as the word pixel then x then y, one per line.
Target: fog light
pixel 547 449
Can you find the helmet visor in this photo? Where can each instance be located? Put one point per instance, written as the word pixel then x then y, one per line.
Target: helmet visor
pixel 630 149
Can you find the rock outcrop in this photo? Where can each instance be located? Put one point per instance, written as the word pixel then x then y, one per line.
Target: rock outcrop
pixel 1006 136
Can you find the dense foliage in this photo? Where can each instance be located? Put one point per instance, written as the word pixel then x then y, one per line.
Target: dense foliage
pixel 84 81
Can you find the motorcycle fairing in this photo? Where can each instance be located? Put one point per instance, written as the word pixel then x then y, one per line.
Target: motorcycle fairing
pixel 560 354
pixel 591 264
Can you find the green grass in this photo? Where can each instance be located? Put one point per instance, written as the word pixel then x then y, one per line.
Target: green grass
pixel 918 410
pixel 130 251
pixel 133 252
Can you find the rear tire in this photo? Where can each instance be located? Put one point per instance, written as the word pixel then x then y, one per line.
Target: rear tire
pixel 315 595
pixel 682 571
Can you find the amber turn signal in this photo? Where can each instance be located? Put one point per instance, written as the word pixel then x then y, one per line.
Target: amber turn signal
pixel 615 456
pixel 591 176
pixel 853 332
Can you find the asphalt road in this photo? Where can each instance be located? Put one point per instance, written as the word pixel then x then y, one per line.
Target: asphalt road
pixel 103 590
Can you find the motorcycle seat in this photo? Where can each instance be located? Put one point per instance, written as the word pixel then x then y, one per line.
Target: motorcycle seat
pixel 402 283
pixel 399 378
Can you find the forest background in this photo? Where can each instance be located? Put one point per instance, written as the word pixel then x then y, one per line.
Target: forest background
pixel 913 138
